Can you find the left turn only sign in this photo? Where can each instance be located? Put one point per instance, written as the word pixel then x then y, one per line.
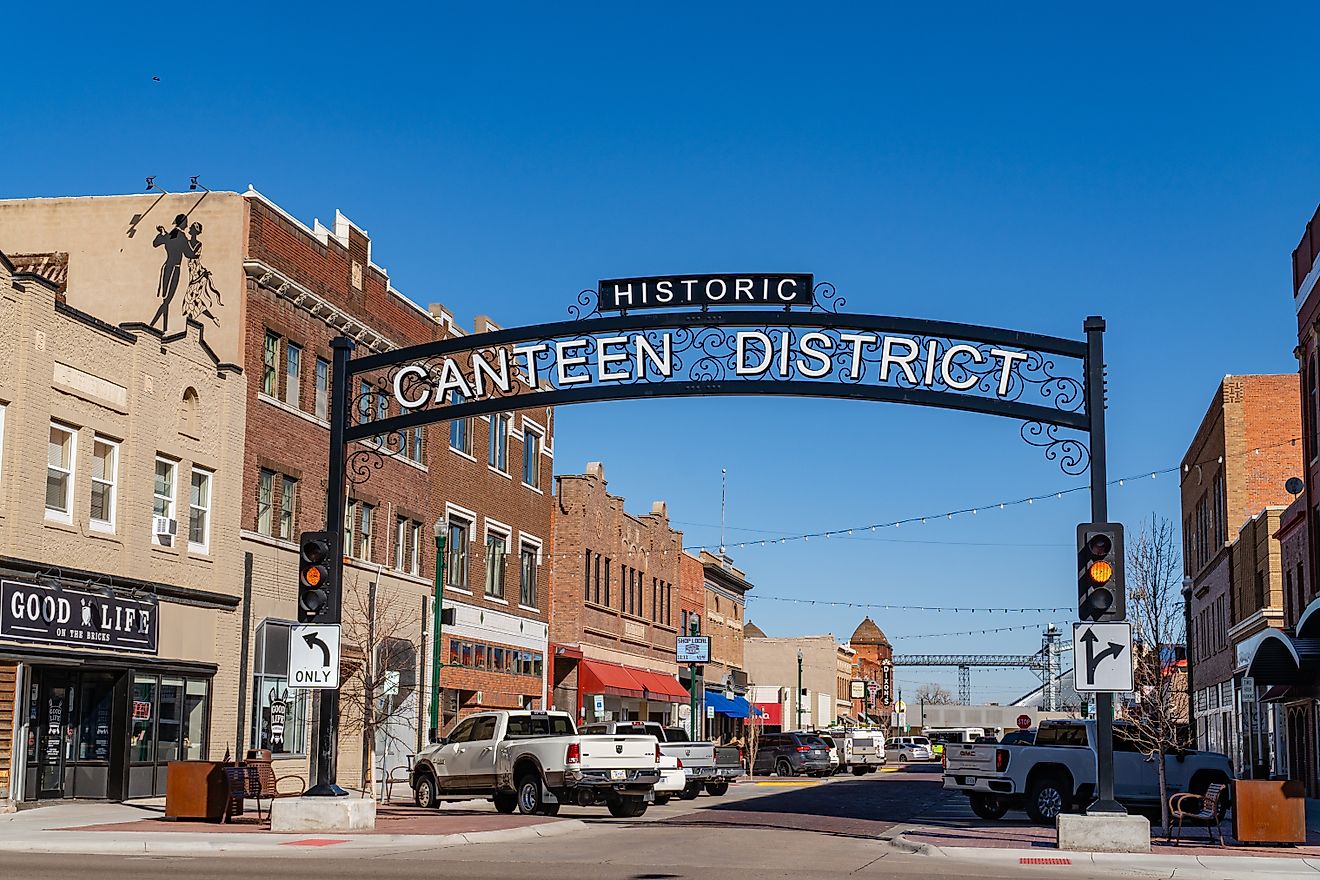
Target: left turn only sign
pixel 314 656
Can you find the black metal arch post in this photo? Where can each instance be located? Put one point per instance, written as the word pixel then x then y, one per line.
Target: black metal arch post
pixel 1060 399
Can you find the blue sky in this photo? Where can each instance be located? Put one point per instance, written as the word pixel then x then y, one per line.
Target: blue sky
pixel 1020 166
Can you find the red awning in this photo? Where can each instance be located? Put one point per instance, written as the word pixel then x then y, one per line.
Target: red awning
pixel 658 684
pixel 599 677
pixel 768 713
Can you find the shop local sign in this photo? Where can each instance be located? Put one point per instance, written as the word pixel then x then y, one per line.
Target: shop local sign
pixel 37 613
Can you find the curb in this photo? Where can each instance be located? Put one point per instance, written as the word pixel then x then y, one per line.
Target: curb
pixel 166 843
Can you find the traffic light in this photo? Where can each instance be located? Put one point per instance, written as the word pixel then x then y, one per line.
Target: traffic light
pixel 318 592
pixel 1100 589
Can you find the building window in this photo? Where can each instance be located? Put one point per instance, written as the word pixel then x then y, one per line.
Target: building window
pixel 400 542
pixel 279 713
pixel 499 442
pixel 364 401
pixel 382 413
pixel 293 374
pixel 407 545
pixel 265 499
pixel 415 554
pixel 199 510
pixel 412 445
pixel 460 430
pixel 527 575
pixel 531 457
pixel 586 576
pixel 364 533
pixel 288 507
pixel 597 579
pixel 59 473
pixel 163 492
pixel 1314 409
pixel 496 548
pixel 456 552
pixel 270 366
pixel 607 582
pixel 350 526
pixel 105 474
pixel 322 403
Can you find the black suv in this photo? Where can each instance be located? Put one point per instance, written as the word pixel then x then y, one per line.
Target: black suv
pixel 791 754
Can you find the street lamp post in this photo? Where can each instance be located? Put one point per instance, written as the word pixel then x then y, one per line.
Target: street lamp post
pixel 436 615
pixel 693 630
pixel 799 691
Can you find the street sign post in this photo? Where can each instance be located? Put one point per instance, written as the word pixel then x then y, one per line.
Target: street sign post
pixel 1102 657
pixel 314 656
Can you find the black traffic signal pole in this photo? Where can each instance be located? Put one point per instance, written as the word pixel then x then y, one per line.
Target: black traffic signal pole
pixel 327 701
pixel 1095 410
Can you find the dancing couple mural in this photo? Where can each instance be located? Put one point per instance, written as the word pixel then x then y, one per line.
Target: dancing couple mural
pixel 182 243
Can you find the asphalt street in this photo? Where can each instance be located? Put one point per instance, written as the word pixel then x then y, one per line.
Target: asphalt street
pixel 775 829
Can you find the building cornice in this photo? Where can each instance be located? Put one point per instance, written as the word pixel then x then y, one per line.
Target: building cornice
pixel 318 307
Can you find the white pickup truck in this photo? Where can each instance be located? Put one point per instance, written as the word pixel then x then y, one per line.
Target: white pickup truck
pixel 861 751
pixel 534 761
pixel 1057 773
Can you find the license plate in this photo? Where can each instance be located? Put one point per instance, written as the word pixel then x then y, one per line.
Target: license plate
pixel 618 775
pixel 966 780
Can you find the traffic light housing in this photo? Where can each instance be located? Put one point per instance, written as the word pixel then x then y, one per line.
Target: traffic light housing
pixel 1101 594
pixel 318 590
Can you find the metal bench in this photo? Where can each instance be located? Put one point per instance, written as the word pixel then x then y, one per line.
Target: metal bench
pixel 244 783
pixel 1196 809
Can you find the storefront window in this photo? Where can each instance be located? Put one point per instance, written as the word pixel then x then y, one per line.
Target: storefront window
pixel 279 713
pixel 194 719
pixel 142 741
pixel 169 726
pixel 94 722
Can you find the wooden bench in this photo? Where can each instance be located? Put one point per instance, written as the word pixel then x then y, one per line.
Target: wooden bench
pixel 1197 809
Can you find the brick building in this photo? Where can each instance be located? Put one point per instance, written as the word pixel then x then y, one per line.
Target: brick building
pixel 1234 469
pixel 724 680
pixel 270 293
pixel 614 599
pixel 874 662
pixel 120 468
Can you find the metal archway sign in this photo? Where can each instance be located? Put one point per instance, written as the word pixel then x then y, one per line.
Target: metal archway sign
pixel 714 335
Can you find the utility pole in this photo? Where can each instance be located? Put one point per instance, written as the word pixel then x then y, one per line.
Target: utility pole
pixel 799 690
pixel 437 619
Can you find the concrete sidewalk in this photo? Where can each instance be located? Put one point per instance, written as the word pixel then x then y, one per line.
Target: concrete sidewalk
pixel 140 828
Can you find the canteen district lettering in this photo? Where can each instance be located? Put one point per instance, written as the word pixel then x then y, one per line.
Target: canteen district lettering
pixel 645 356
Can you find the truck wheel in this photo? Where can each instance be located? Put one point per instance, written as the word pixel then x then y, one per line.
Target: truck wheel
pixel 1046 799
pixel 662 799
pixel 717 789
pixel 690 791
pixel 987 806
pixel 505 801
pixel 784 768
pixel 549 809
pixel 629 807
pixel 424 793
pixel 860 771
pixel 529 794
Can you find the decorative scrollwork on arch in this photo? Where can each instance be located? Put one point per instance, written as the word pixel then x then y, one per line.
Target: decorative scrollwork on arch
pixel 1071 453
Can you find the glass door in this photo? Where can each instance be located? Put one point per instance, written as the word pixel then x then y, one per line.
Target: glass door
pixel 54 734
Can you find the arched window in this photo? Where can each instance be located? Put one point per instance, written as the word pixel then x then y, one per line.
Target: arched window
pixel 189 418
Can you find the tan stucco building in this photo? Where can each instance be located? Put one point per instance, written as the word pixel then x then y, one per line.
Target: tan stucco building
pixel 826 672
pixel 120 460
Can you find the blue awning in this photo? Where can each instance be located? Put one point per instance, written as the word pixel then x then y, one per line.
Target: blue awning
pixel 738 707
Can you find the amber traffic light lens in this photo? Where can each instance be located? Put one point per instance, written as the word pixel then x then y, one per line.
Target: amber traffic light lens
pixel 313 576
pixel 1101 572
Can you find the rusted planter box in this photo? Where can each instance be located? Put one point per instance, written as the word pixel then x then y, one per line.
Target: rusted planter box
pixel 1269 811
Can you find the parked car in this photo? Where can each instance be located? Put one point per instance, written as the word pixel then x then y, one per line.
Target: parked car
pixel 791 754
pixel 674 771
pixel 533 762
pixel 835 760
pixel 913 749
pixel 1056 773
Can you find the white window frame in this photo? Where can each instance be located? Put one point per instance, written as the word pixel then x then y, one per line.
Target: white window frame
pixel 270 368
pixel 526 541
pixel 500 530
pixel 366 523
pixel 498 442
pixel 278 527
pixel 529 431
pixel 415 557
pixel 64 516
pixel 173 498
pixel 105 525
pixel 292 375
pixel 468 519
pixel 3 407
pixel 321 391
pixel 270 502
pixel 400 541
pixel 205 544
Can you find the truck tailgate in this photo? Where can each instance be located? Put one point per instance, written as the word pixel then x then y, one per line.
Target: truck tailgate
pixel 691 754
pixel 611 752
pixel 970 759
pixel 728 756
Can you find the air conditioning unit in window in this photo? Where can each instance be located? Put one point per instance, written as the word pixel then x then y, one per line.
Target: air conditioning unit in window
pixel 164 529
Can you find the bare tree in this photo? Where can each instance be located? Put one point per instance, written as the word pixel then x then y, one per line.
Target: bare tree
pixel 933 694
pixel 378 694
pixel 1158 710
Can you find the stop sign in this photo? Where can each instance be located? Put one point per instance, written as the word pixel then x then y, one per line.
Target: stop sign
pixel 1024 722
